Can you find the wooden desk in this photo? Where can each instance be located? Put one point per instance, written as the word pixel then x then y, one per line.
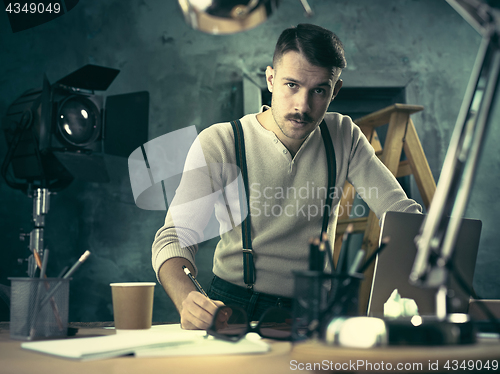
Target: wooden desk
pixel 284 357
pixel 395 359
pixel 15 360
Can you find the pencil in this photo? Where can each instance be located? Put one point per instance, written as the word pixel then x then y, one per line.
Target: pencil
pixel 66 276
pixel 37 307
pixel 195 282
pixel 342 260
pixel 357 261
pixel 374 255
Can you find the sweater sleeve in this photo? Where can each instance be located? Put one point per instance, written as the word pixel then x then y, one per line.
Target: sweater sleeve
pixel 205 187
pixel 374 183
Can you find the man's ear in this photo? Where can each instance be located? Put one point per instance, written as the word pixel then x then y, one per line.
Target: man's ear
pixel 337 88
pixel 270 78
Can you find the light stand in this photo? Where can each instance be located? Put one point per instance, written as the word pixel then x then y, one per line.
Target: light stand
pixel 438 236
pixel 41 205
pixel 63 131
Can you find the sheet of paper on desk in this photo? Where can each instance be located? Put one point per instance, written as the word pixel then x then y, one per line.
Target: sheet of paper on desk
pixel 129 342
pixel 202 345
pixel 99 347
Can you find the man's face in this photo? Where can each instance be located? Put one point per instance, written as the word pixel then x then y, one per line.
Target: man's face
pixel 301 95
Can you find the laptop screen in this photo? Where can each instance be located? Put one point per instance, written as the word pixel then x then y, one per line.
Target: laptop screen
pixel 394 264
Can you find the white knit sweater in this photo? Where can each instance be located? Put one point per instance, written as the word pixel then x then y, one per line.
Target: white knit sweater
pixel 287 196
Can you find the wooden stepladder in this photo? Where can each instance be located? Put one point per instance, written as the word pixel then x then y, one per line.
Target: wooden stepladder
pixel 401 134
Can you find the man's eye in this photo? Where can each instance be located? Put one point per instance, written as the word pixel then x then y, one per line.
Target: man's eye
pixel 319 91
pixel 291 85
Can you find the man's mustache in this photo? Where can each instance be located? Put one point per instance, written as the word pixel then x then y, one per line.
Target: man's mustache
pixel 299 117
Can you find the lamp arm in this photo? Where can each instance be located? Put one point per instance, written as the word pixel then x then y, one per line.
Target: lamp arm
pixel 436 240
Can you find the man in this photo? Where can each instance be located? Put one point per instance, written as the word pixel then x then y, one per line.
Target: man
pixel 287 176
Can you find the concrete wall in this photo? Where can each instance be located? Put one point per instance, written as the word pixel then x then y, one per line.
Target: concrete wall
pixel 196 79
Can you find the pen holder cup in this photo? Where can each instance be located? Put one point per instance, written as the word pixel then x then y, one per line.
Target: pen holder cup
pixel 319 297
pixel 39 308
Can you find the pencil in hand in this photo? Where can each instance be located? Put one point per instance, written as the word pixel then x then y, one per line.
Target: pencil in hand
pixel 195 282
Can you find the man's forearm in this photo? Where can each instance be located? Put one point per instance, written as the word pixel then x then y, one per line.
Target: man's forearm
pixel 174 280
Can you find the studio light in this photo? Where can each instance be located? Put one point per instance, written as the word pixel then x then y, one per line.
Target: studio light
pixel 78 121
pixel 62 131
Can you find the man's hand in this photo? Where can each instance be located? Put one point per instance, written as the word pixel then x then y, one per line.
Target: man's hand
pixel 198 311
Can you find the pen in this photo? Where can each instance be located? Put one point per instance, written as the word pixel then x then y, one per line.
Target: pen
pixel 66 276
pixel 193 279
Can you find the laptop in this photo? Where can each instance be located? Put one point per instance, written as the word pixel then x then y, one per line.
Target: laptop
pixel 394 264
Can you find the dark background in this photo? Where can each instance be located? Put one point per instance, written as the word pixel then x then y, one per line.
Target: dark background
pixel 421 50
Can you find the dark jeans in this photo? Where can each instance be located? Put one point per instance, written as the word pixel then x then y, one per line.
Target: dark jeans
pixel 254 303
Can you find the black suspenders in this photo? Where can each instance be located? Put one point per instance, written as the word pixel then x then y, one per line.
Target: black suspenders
pixel 248 262
pixel 332 173
pixel 239 143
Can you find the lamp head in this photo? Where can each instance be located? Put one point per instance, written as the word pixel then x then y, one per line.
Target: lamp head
pixel 63 130
pixel 226 16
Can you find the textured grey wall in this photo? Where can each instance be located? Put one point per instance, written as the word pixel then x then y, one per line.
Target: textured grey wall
pixel 195 79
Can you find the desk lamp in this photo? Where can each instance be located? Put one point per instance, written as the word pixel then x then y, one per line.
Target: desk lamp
pixel 436 240
pixel 229 16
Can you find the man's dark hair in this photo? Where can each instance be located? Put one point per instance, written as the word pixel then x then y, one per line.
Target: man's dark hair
pixel 320 46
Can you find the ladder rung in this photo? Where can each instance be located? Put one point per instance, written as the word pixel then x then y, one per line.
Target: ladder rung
pixel 404 169
pixel 359 225
pixel 381 117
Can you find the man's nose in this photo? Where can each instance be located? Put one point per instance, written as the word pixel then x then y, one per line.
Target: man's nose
pixel 302 104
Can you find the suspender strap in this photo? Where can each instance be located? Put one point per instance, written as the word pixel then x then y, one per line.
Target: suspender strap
pixel 332 174
pixel 239 143
pixel 248 261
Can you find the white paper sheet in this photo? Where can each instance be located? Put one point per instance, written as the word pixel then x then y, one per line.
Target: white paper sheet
pixel 161 340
